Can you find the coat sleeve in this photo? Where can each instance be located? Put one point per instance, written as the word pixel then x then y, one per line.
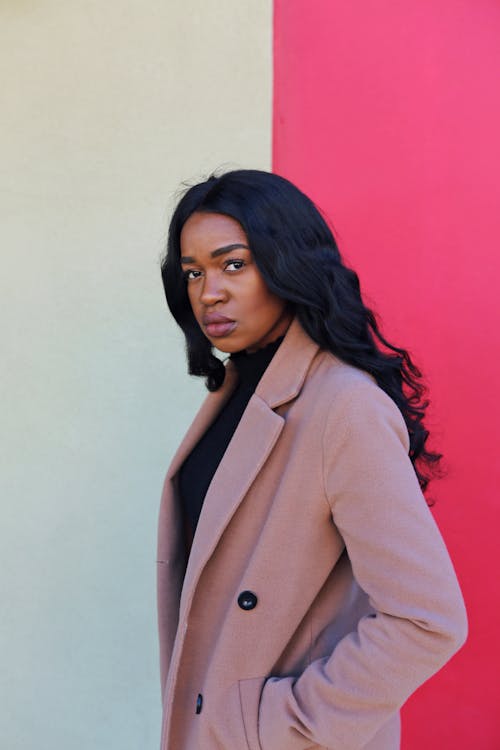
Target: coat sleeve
pixel 400 560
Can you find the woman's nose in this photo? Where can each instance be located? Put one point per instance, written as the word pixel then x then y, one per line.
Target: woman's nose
pixel 212 290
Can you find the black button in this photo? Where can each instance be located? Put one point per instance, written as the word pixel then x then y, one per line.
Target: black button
pixel 247 600
pixel 199 703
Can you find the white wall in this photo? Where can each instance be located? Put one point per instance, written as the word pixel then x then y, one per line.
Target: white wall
pixel 104 109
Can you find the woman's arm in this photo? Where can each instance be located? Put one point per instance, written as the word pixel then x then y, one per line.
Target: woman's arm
pixel 400 560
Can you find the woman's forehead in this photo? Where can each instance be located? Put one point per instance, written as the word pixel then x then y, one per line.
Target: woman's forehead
pixel 208 232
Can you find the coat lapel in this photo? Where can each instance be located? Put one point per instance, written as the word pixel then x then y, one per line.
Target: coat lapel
pixel 209 409
pixel 241 463
pixel 169 533
pixel 250 446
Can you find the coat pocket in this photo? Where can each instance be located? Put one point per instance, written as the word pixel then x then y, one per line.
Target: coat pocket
pixel 228 720
pixel 250 691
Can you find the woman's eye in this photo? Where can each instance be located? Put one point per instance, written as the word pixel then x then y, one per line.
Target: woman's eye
pixel 234 265
pixel 191 274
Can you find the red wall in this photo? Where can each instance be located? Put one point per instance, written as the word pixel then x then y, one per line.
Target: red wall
pixel 388 115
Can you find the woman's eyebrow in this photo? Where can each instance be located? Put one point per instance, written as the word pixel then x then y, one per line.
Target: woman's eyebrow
pixel 218 251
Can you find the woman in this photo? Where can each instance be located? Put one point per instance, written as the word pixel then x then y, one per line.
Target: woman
pixel 304 591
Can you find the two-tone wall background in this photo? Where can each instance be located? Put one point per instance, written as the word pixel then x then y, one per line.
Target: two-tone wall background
pixel 387 114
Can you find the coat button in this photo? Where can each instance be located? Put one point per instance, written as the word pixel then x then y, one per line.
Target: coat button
pixel 247 600
pixel 199 703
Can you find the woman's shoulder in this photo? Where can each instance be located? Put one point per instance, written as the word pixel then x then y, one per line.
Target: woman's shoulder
pixel 350 393
pixel 340 377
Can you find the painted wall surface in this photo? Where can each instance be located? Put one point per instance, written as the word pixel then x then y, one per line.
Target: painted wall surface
pixel 105 109
pixel 388 115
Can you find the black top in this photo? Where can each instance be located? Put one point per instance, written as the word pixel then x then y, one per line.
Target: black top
pixel 198 469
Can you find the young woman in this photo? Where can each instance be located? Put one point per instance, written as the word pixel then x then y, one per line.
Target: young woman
pixel 304 590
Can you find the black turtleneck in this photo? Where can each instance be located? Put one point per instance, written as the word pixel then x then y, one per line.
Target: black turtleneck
pixel 197 471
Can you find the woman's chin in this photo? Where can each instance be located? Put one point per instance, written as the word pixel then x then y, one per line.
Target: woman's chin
pixel 227 347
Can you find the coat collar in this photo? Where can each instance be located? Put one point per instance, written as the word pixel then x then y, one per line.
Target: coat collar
pixel 281 382
pixel 285 375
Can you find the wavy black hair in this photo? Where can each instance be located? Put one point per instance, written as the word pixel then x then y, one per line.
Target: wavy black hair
pixel 296 253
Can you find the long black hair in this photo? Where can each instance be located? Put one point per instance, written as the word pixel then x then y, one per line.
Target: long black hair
pixel 296 253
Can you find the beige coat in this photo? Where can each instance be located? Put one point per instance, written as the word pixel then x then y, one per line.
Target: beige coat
pixel 351 599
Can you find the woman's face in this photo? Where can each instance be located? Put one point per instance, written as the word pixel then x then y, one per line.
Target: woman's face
pixel 228 296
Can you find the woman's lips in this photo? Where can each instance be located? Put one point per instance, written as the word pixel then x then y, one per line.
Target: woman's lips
pixel 217 330
pixel 217 325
